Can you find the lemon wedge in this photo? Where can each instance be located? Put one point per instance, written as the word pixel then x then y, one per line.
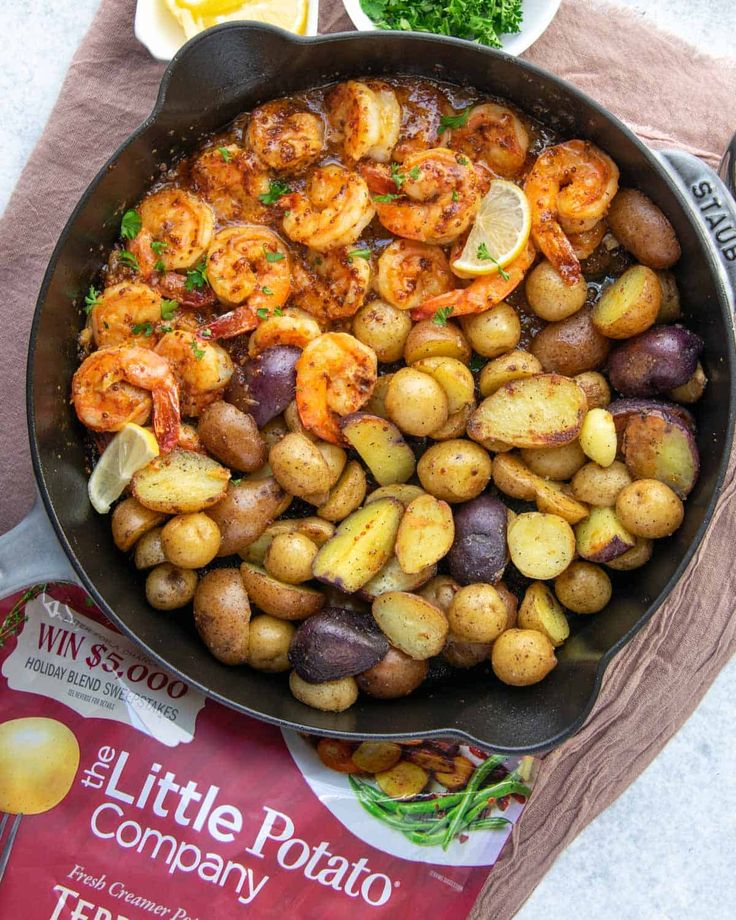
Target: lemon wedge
pixel 500 231
pixel 197 15
pixel 130 450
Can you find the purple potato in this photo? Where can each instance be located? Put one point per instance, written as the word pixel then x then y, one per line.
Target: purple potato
pixel 623 410
pixel 479 552
pixel 265 385
pixel 336 643
pixel 658 360
pixel 662 447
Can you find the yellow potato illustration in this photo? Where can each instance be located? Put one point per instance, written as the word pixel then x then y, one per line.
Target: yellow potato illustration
pixel 38 761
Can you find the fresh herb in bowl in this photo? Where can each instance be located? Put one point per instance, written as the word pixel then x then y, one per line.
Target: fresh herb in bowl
pixel 482 21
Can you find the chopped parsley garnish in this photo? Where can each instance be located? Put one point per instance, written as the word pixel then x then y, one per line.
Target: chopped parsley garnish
pixel 159 266
pixel 389 196
pixel 128 260
pixel 263 313
pixel 130 225
pixel 481 21
pixel 168 308
pixel 442 315
pixel 278 312
pixel 198 352
pixel 166 328
pixel 485 256
pixel 447 122
pixel 399 178
pixel 158 246
pixel 359 254
pixel 276 189
pixel 225 154
pixel 267 291
pixel 206 333
pixel 145 329
pixel 455 195
pixel 197 276
pixel 235 482
pixel 272 256
pixel 92 299
pixel 463 161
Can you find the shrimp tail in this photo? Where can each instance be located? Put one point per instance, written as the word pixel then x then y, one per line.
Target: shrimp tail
pixel 377 178
pixel 230 324
pixel 166 417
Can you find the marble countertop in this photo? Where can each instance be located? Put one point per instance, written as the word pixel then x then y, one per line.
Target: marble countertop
pixel 665 847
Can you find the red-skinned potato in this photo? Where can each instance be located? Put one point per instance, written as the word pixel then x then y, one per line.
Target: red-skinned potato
pixel 641 227
pixel 396 675
pixel 232 437
pixel 571 346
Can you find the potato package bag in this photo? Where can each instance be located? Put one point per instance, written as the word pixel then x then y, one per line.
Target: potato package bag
pixel 128 794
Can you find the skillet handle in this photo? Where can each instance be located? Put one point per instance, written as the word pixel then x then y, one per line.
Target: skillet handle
pixel 712 203
pixel 30 553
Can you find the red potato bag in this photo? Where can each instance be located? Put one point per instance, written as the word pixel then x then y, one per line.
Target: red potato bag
pixel 141 798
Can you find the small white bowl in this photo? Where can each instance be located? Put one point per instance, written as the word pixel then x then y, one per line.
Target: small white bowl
pixel 157 29
pixel 538 14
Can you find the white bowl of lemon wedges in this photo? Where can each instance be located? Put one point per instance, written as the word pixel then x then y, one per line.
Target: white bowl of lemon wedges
pixel 163 26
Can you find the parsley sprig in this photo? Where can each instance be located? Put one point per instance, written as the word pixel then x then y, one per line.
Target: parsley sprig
pixel 225 154
pixel 197 276
pixel 447 122
pixel 484 255
pixel 276 189
pixel 128 260
pixel 92 299
pixel 482 21
pixel 130 225
pixel 168 308
pixel 442 315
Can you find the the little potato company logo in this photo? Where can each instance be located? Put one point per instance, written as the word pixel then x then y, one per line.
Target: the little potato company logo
pixel 39 759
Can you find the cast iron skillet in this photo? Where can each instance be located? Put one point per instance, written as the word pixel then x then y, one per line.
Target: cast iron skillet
pixel 229 70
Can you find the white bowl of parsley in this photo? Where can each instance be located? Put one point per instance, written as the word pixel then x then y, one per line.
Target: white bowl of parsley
pixel 512 25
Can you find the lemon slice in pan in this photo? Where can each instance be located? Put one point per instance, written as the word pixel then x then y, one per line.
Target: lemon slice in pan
pixel 130 450
pixel 499 233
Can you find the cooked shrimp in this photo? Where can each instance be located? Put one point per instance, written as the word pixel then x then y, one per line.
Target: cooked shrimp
pixel 117 385
pixel 410 272
pixel 231 179
pixel 284 136
pixel 203 369
pixel 433 197
pixel 366 118
pixel 569 188
pixel 248 268
pixel 180 223
pixel 495 135
pixel 333 211
pixel 584 244
pixel 126 312
pixel 334 285
pixel 483 293
pixel 291 328
pixel 335 376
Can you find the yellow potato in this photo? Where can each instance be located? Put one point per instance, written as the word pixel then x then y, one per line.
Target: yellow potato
pixel 269 640
pixel 428 340
pixel 416 402
pixel 411 624
pixel 330 696
pixel 148 550
pixel 649 508
pixel 551 498
pixel 383 328
pixel 381 447
pixel 558 463
pixel 521 657
pixel 634 558
pixel 477 613
pixel 453 377
pixel 425 534
pixel 440 591
pixel 595 485
pixel 222 615
pixel 583 587
pixel 602 537
pixel 191 541
pixel 346 495
pixel 459 776
pixel 550 296
pixel 540 610
pixel 289 557
pixel 130 521
pixel 514 478
pixel 393 578
pixel 376 756
pixel 598 437
pixel 630 305
pixel 401 491
pixel 541 545
pixel 512 366
pixel 299 467
pixel 455 470
pixel 289 602
pixel 39 758
pixel 493 332
pixel 180 482
pixel 596 389
pixel 403 781
pixel 169 587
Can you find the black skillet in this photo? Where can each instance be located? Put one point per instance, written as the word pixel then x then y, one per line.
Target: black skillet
pixel 229 70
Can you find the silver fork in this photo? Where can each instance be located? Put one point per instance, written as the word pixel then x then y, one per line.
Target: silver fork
pixel 7 846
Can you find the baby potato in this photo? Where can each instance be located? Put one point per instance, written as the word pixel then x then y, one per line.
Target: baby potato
pixel 395 675
pixel 459 653
pixel 540 610
pixel 602 537
pixel 294 423
pixel 376 756
pixel 455 425
pixel 455 470
pixel 541 545
pixel 273 431
pixel 514 478
pixel 383 328
pixel 191 541
pixel 691 391
pixel 477 613
pixel 376 405
pixel 428 340
pixel 511 366
pixel 440 591
pixel 649 508
pixel 553 498
pixel 597 485
pixel 634 558
pixel 168 587
pixel 337 755
pixel 521 657
pixel 493 332
pixel 330 696
pixel 335 457
pixel 641 227
pixel 232 437
pixel 222 615
pixel 630 305
pixel 416 402
pixel 670 310
pixel 583 587
pixel 411 623
pixel 346 495
pixel 557 463
pixel 596 389
pixel 148 550
pixel 550 297
pixel 598 437
pixel 571 346
pixel 403 781
pixel 269 641
pixel 130 521
pixel 512 604
pixel 454 378
pixel 289 558
pixel 299 467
